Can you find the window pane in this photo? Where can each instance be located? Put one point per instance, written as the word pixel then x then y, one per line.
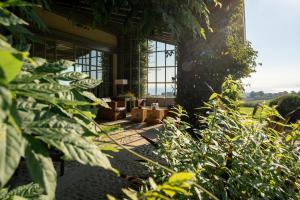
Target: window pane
pixel 93 74
pixel 151 45
pixel 151 75
pixel 85 68
pixel 170 58
pixel 93 61
pixel 151 89
pixel 161 74
pixel 160 46
pixel 160 58
pixel 93 53
pixel 170 90
pixel 151 60
pixel 170 74
pixel 160 89
pixel 170 47
pixel 78 68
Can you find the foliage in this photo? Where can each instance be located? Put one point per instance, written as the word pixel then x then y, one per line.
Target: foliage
pixel 176 185
pixel 154 16
pixel 234 155
pixel 129 95
pixel 203 64
pixel 287 104
pixel 38 113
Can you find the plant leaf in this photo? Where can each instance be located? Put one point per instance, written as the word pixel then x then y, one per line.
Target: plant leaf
pixel 75 147
pixel 71 76
pixel 55 67
pixel 10 66
pixel 11 148
pixel 40 166
pixel 30 191
pixel 40 87
pixel 5 102
pixel 86 83
pixel 7 18
pixel 96 100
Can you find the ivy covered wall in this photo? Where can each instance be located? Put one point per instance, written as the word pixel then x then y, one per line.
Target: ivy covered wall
pixel 203 63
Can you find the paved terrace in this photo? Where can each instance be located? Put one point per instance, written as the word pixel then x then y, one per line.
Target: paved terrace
pixel 81 182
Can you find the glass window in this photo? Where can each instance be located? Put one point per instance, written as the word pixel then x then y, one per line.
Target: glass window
pixel 161 74
pixel 170 74
pixel 151 60
pixel 170 90
pixel 160 89
pixel 151 45
pixel 161 58
pixel 151 89
pixel 151 75
pixel 160 46
pixel 170 47
pixel 170 58
pixel 162 69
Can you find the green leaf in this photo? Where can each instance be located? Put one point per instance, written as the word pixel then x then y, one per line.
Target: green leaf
pixel 75 147
pixel 181 177
pixel 40 166
pixel 130 194
pixel 213 96
pixel 17 3
pixel 57 123
pixel 86 83
pixel 10 66
pixel 11 148
pixel 72 76
pixel 7 18
pixel 96 100
pixel 5 102
pixel 49 88
pixel 29 191
pixel 55 67
pixel 4 46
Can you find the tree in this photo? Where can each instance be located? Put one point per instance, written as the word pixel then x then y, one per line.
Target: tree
pixel 203 63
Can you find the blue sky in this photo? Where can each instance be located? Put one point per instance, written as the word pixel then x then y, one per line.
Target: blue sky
pixel 273 27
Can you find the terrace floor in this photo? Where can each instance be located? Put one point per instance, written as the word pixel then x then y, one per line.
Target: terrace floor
pixel 92 183
pixel 81 182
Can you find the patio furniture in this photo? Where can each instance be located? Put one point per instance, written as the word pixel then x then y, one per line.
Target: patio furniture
pixel 116 111
pixel 138 114
pixel 140 102
pixel 156 116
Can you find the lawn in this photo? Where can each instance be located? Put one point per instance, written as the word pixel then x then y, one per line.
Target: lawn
pixel 247 110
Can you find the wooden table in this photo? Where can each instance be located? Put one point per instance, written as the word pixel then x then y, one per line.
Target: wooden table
pixel 139 114
pixel 156 116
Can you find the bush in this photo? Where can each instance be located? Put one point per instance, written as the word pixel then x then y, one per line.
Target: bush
pixel 287 104
pixel 234 155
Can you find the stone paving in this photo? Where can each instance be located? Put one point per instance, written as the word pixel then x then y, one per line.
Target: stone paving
pixel 91 183
pixel 81 182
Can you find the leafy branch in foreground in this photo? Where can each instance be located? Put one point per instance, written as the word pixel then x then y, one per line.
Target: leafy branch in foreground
pixel 38 115
pixel 234 155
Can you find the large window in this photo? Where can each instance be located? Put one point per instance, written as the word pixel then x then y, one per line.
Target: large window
pixel 162 69
pixel 95 63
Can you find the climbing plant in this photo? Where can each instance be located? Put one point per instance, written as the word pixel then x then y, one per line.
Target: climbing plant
pixel 203 63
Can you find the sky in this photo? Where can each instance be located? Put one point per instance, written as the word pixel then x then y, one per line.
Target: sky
pixel 273 28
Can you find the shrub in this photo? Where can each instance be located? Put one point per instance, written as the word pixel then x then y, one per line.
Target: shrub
pixel 287 104
pixel 234 155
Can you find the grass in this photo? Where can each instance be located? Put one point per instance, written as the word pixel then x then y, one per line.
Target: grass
pixel 247 110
